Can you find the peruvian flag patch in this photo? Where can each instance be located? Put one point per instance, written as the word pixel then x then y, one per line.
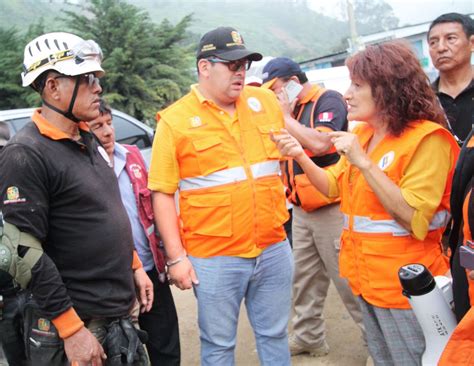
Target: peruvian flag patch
pixel 325 117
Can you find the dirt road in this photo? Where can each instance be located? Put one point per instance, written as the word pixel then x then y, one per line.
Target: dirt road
pixel 342 335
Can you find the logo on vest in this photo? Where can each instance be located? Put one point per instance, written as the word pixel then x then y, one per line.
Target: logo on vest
pixel 254 104
pixel 104 155
pixel 195 121
pixel 386 160
pixel 136 170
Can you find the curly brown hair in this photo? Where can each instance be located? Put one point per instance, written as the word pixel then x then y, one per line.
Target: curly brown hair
pixel 401 90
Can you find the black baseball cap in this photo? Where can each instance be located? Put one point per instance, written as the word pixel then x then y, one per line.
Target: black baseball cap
pixel 225 43
pixel 280 67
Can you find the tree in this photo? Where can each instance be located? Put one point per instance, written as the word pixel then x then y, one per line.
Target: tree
pixel 374 16
pixel 146 66
pixel 12 43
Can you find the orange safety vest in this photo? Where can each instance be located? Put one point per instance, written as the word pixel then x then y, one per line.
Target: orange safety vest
pixel 231 196
pixel 301 191
pixel 373 245
pixel 460 347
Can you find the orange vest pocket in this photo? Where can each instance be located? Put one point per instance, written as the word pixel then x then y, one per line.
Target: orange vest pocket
pixel 207 214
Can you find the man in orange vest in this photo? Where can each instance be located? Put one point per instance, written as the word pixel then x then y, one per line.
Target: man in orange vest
pixel 317 221
pixel 213 146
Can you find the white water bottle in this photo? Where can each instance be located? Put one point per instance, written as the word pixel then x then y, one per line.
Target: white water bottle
pixel 431 309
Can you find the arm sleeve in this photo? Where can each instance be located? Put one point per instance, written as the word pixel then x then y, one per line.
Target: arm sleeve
pixel 330 113
pixel 424 181
pixel 334 173
pixel 25 204
pixel 164 173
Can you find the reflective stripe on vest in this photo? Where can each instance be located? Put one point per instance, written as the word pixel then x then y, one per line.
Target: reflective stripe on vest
pixel 232 175
pixel 364 224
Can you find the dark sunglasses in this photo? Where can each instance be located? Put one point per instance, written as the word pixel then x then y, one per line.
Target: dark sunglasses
pixel 233 66
pixel 89 78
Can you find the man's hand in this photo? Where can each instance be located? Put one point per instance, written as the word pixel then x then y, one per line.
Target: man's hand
pixel 144 289
pixel 286 107
pixel 82 348
pixel 182 274
pixel 287 144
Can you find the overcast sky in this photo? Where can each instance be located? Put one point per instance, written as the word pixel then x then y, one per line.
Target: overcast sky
pixel 408 11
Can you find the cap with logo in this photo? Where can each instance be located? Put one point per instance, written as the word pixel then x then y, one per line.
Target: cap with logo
pixel 279 67
pixel 225 43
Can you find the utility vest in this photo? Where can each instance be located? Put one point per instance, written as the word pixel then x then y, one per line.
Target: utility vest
pixel 373 245
pixel 460 348
pixel 136 169
pixel 301 191
pixel 231 197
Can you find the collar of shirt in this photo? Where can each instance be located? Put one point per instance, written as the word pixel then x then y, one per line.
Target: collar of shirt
pixel 51 131
pixel 314 89
pixel 120 158
pixel 435 86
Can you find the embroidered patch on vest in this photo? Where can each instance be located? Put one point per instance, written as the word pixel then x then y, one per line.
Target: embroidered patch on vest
pixel 254 104
pixel 386 160
pixel 137 170
pixel 195 121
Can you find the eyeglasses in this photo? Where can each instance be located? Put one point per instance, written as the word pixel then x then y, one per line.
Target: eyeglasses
pixel 233 66
pixel 89 78
pixel 85 50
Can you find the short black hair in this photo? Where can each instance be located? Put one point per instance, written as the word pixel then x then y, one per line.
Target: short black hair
pixel 466 22
pixel 104 108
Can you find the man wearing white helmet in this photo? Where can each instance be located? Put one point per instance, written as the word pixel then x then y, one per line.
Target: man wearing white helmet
pixel 64 217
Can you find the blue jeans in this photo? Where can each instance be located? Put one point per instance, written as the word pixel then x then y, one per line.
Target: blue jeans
pixel 265 283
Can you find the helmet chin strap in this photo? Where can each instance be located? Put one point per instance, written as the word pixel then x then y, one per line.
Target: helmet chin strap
pixel 68 114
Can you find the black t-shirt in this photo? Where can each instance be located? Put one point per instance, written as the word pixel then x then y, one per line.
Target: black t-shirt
pixel 459 110
pixel 65 194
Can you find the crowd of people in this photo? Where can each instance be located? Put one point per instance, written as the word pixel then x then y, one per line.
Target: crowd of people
pixel 93 238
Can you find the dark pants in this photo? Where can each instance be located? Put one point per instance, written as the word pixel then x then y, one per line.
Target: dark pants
pixel 161 324
pixel 11 337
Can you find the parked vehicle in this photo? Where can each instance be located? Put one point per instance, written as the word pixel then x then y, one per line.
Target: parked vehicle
pixel 128 130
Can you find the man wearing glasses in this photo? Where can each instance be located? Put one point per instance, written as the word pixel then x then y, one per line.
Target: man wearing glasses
pixel 213 147
pixel 64 217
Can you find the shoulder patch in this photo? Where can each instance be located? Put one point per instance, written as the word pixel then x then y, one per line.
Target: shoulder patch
pixel 325 117
pixel 13 196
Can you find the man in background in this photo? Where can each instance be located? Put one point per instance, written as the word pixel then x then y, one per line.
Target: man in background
pixel 317 221
pixel 451 43
pixel 161 322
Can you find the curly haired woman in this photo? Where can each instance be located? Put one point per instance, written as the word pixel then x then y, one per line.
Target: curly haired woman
pixel 394 180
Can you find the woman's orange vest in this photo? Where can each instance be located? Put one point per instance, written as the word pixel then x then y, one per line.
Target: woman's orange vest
pixel 231 196
pixel 301 191
pixel 374 245
pixel 460 348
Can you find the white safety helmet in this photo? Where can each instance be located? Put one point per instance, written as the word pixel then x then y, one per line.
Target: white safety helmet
pixel 66 53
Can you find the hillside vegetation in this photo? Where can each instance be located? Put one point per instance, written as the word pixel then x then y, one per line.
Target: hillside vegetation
pixel 274 27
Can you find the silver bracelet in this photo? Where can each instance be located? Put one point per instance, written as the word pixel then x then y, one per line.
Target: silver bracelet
pixel 176 261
